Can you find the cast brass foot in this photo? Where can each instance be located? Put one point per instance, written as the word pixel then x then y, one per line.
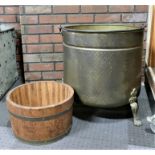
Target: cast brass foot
pixel 134 108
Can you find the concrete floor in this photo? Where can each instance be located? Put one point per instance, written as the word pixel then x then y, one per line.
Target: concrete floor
pixel 90 133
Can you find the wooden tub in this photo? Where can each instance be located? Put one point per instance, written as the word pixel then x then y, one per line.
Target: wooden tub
pixel 40 111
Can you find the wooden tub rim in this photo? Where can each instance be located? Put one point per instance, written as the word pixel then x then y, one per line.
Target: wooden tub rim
pixel 9 101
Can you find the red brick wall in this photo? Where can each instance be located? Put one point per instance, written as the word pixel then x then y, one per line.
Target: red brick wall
pixel 10 15
pixel 42 42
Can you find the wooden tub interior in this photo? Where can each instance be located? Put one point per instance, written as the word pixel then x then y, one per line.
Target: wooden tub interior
pixel 38 94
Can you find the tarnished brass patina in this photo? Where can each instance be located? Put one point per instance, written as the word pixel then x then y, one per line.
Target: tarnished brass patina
pixel 103 62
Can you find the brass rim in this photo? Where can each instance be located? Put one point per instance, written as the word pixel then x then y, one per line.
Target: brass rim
pixel 76 28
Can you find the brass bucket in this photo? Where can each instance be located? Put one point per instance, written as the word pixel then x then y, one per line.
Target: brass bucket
pixel 103 63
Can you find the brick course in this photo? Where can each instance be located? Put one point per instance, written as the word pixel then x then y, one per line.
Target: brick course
pixel 1 10
pixel 66 9
pixel 58 48
pixel 122 8
pixel 8 18
pixel 41 48
pixel 40 67
pixel 137 17
pixel 36 29
pixel 29 19
pixel 52 75
pixel 30 39
pixel 80 18
pixel 59 66
pixel 55 38
pixel 38 9
pixel 141 8
pixel 107 18
pixel 11 10
pixel 29 76
pixel 52 19
pixel 93 8
pixel 31 58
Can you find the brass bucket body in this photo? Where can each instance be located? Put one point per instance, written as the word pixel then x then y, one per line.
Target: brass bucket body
pixel 103 62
